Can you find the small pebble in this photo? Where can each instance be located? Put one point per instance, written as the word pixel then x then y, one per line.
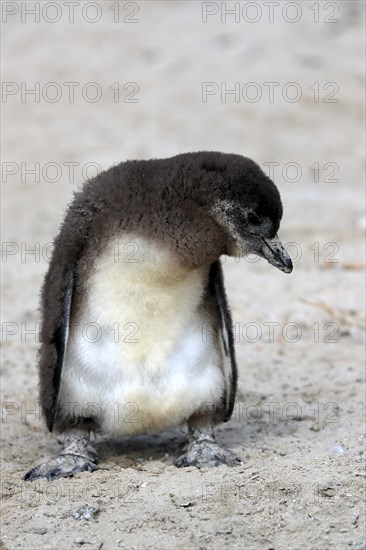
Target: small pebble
pixel 186 505
pixel 39 530
pixel 86 512
pixel 337 449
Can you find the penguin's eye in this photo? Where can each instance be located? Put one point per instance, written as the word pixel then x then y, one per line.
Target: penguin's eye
pixel 253 219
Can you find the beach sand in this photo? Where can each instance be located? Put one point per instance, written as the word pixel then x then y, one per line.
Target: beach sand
pixel 164 83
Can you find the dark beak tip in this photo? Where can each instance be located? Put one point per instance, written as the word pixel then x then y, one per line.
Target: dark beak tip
pixel 289 266
pixel 276 254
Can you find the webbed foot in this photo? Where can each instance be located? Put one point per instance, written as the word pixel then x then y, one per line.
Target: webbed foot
pixel 61 466
pixel 202 451
pixel 77 455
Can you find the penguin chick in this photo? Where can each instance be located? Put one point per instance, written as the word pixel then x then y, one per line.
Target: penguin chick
pixel 137 333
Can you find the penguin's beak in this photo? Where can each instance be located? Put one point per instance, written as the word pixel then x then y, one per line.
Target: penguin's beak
pixel 274 251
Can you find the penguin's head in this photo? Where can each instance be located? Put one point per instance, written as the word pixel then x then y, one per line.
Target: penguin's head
pixel 247 204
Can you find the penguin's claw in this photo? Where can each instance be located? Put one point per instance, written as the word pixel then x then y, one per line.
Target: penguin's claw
pixel 206 453
pixel 65 465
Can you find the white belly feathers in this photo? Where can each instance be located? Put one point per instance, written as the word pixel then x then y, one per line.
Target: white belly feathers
pixel 136 357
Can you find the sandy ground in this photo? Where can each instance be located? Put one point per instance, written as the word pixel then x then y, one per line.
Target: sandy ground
pixel 299 418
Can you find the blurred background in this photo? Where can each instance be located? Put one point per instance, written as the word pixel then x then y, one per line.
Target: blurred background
pixel 90 84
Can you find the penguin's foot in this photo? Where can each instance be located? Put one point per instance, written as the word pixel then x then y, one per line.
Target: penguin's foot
pixel 61 466
pixel 202 451
pixel 77 455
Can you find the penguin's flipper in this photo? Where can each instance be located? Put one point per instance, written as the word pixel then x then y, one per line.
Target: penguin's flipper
pixel 57 300
pixel 217 290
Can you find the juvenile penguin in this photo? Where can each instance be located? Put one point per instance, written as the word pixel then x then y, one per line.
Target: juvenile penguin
pixel 137 333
